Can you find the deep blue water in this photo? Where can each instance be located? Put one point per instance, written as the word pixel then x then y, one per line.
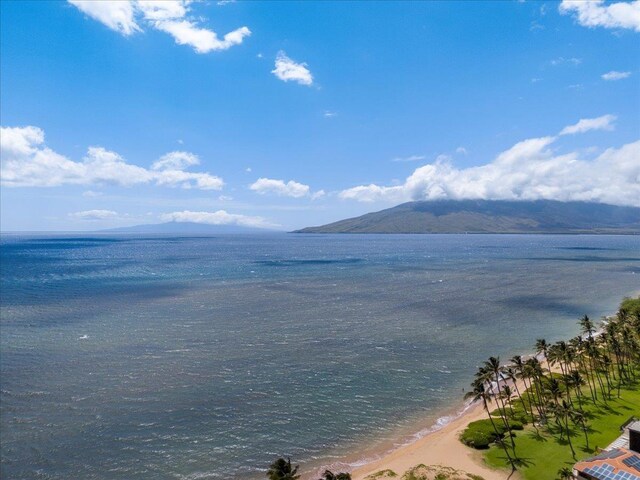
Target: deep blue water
pixel 206 358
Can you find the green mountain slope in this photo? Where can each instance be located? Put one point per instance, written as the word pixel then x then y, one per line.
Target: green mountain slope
pixel 491 216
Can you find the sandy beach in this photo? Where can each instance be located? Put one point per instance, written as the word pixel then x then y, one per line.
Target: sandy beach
pixel 441 447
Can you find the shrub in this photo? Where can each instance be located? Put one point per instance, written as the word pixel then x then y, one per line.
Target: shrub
pixel 480 434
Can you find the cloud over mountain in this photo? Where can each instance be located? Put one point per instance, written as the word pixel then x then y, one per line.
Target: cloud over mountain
pixel 529 170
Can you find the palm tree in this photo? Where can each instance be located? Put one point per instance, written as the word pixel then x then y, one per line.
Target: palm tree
pixel 543 347
pixel 576 381
pixel 480 393
pixel 565 473
pixel 281 469
pixel 506 394
pixel 562 412
pixel 492 366
pixel 533 371
pixel 587 326
pixel 328 475
pixel 520 372
pixel 579 417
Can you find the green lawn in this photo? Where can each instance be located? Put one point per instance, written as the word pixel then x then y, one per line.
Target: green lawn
pixel 542 456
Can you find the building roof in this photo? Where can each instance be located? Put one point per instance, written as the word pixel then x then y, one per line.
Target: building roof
pixel 623 440
pixel 616 464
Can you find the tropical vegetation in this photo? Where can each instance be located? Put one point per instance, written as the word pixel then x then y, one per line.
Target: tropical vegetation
pixel 282 469
pixel 570 399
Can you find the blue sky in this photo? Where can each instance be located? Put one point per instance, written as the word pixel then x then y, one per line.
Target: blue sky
pixel 289 114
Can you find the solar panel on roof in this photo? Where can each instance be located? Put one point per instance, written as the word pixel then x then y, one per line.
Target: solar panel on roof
pixel 633 462
pixel 606 455
pixel 607 472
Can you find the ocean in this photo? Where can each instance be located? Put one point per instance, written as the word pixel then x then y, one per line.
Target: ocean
pixel 142 357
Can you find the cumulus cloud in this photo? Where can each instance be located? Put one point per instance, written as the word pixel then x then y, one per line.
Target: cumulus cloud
pixel 169 16
pixel 318 194
pixel 115 14
pixel 604 122
pixel 202 40
pixel 220 217
pixel 175 161
pixel 279 187
pixel 410 158
pixel 613 75
pixel 529 170
pixel 94 214
pixel 288 70
pixel 27 162
pixel 596 13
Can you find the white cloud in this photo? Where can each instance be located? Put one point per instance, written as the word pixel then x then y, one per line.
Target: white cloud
pixel 202 40
pixel 329 114
pixel 596 13
pixel 286 70
pixel 562 60
pixel 318 194
pixel 170 16
pixel 374 193
pixel 116 14
pixel 613 75
pixel 94 215
pixel 604 122
pixel 529 170
pixel 175 161
pixel 220 217
pixel 279 187
pixel 410 158
pixel 28 162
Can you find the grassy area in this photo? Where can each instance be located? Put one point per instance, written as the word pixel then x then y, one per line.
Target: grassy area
pixel 544 454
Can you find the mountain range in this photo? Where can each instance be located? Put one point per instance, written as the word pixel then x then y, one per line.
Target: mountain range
pixel 491 216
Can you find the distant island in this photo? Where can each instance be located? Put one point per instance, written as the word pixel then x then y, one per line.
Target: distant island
pixel 492 216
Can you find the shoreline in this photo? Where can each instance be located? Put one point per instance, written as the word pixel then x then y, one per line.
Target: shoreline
pixel 368 455
pixel 439 444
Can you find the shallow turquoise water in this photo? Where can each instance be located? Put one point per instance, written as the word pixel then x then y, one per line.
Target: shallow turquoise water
pixel 165 357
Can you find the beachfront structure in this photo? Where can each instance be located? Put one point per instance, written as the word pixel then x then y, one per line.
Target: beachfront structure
pixel 616 464
pixel 619 461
